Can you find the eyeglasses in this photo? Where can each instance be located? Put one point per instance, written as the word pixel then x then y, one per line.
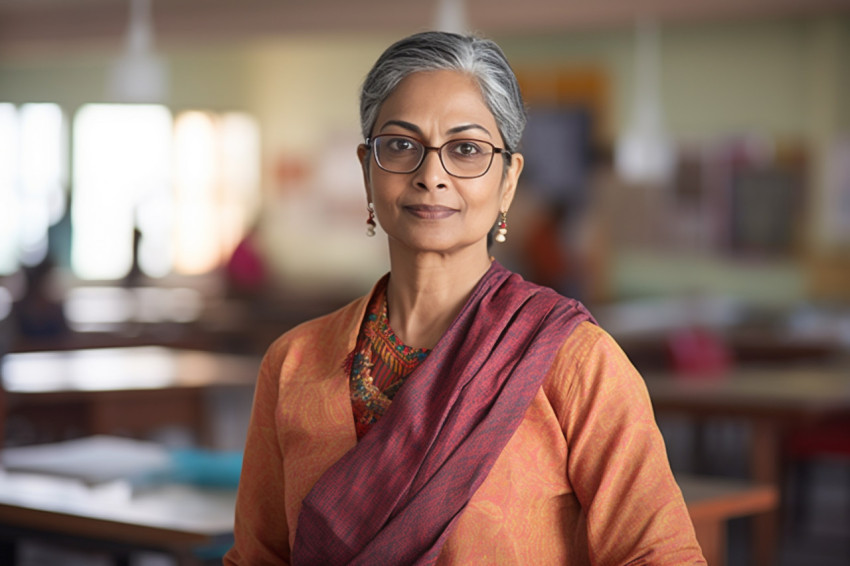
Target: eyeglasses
pixel 465 159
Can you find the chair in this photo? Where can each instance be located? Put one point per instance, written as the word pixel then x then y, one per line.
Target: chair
pixel 698 352
pixel 804 447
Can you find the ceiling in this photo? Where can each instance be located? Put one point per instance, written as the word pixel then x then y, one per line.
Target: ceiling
pixel 36 25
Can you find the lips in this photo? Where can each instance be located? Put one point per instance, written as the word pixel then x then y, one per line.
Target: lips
pixel 429 211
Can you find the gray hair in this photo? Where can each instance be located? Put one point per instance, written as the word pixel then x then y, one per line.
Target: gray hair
pixel 482 59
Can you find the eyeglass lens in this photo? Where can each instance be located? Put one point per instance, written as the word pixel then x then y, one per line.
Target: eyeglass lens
pixel 460 158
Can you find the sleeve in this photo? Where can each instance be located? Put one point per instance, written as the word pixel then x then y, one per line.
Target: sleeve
pixel 617 462
pixel 261 533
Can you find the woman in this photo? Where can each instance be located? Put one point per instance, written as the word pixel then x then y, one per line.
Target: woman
pixel 457 414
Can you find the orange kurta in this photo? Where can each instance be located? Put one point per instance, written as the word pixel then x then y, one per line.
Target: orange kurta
pixel 584 480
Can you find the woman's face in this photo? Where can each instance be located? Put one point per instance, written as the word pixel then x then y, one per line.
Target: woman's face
pixel 429 210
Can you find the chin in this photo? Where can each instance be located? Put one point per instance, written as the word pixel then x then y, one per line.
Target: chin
pixel 435 241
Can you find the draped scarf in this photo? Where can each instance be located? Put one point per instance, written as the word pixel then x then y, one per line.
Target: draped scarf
pixel 393 498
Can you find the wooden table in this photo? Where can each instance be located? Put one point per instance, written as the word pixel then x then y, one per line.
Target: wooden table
pixel 83 490
pixel 772 401
pixel 180 519
pixel 177 519
pixel 713 501
pixel 128 391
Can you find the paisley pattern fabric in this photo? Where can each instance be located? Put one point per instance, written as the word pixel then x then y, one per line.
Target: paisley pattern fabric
pixel 395 497
pixel 584 480
pixel 379 365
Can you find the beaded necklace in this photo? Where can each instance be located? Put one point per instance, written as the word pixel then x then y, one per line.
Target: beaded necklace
pixel 380 365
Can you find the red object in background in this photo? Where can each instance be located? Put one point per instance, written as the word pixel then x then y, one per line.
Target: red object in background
pixel 831 438
pixel 246 271
pixel 544 253
pixel 698 352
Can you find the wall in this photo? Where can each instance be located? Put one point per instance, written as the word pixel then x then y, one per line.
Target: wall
pixel 783 80
pixel 786 79
pixel 209 76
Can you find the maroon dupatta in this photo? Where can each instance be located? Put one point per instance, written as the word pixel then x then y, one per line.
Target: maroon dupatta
pixel 393 498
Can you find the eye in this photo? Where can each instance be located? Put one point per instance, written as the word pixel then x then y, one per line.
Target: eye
pixel 400 144
pixel 467 148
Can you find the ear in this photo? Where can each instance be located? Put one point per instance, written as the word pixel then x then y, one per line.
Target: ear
pixel 510 180
pixel 363 158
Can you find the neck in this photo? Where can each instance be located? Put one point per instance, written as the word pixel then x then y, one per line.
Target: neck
pixel 426 292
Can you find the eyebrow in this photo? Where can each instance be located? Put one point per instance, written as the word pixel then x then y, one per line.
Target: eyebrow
pixel 417 130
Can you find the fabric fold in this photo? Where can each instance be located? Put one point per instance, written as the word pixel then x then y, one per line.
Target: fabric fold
pixel 393 498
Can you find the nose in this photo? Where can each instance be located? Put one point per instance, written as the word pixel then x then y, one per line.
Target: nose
pixel 431 174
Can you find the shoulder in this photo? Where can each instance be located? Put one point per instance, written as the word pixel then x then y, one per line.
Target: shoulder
pixel 328 335
pixel 343 316
pixel 560 310
pixel 589 363
pixel 587 343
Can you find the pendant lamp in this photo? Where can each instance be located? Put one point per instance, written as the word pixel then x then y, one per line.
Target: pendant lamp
pixel 139 75
pixel 645 153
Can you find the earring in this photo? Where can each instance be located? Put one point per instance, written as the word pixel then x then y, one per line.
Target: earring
pixel 501 233
pixel 370 222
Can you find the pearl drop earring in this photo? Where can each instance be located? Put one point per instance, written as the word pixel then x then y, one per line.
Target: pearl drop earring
pixel 502 232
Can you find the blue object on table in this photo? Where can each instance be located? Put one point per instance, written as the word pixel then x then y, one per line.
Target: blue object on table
pixel 206 468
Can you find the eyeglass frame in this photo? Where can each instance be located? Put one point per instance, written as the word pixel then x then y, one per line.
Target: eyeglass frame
pixel 370 143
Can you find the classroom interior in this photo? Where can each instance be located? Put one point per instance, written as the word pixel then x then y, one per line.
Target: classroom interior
pixel 687 177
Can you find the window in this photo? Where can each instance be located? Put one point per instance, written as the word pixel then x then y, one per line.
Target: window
pixel 179 192
pixel 122 162
pixel 215 187
pixel 32 181
pixel 172 194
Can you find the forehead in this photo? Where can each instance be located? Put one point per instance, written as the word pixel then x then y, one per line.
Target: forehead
pixel 442 98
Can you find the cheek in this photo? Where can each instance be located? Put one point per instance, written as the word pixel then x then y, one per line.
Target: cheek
pixel 488 197
pixel 384 192
pixel 380 182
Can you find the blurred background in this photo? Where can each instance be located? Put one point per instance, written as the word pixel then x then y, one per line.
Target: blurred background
pixel 182 175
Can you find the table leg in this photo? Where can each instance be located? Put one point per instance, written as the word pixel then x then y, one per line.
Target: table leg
pixel 764 468
pixel 699 460
pixel 8 551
